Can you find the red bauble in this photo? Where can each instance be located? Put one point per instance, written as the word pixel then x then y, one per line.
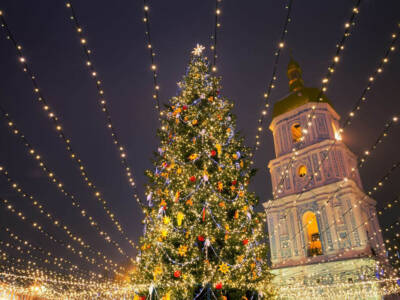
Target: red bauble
pixel 218 286
pixel 201 238
pixel 213 153
pixel 177 274
pixel 245 241
pixel 192 179
pixel 184 107
pixel 142 297
pixel 234 182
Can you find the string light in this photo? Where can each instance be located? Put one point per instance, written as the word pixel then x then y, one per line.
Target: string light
pixel 60 132
pixel 53 178
pixel 274 77
pixel 38 260
pixel 150 47
pixel 122 152
pixel 53 220
pixel 38 227
pixel 379 69
pixel 57 260
pixel 393 121
pixel 217 25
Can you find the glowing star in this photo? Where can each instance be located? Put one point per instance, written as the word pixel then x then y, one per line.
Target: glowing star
pixel 198 50
pixel 224 268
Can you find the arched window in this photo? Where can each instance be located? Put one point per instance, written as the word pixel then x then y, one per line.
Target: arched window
pixel 297 133
pixel 314 246
pixel 302 171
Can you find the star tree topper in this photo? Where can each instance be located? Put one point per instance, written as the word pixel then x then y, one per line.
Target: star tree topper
pixel 198 50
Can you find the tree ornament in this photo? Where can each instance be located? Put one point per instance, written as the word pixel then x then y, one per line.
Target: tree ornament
pixel 193 156
pixel 224 268
pixel 220 186
pixel 234 182
pixel 182 250
pixel 189 202
pixel 221 204
pixel 213 153
pixel 177 274
pixel 205 175
pixel 204 214
pixel 219 149
pixel 184 107
pixel 157 271
pixel 192 178
pixel 176 199
pixel 164 233
pixel 245 241
pixel 194 122
pixel 163 204
pixel 179 218
pixel 201 238
pixel 236 214
pixel 218 286
pixel 166 220
pixel 211 98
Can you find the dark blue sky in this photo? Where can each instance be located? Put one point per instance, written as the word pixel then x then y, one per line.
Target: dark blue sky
pixel 249 33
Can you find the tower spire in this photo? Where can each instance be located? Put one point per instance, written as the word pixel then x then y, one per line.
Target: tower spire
pixel 294 74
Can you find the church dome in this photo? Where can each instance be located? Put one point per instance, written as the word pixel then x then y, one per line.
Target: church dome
pixel 299 94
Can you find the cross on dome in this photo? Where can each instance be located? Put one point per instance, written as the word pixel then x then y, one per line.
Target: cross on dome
pixel 198 50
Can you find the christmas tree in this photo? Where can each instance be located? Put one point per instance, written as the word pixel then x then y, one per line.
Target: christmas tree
pixel 202 237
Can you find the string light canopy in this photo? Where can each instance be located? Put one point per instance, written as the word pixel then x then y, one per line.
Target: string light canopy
pixel 122 151
pixel 52 116
pixel 55 221
pixel 33 153
pixel 109 291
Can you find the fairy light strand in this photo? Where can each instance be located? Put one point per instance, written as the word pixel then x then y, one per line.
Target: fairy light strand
pixel 60 131
pixel 214 36
pixel 53 178
pixel 38 227
pixel 388 126
pixel 371 79
pixel 53 220
pixel 152 54
pixel 47 254
pixel 94 75
pixel 274 78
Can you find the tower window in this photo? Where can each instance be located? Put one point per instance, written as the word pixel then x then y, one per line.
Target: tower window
pixel 302 171
pixel 314 246
pixel 297 133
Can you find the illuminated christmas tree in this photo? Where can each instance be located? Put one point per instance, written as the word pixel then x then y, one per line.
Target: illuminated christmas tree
pixel 202 237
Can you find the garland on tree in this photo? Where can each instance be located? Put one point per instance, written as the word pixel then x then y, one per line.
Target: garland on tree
pixel 202 237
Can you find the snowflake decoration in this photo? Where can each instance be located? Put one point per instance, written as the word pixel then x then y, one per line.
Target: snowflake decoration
pixel 198 50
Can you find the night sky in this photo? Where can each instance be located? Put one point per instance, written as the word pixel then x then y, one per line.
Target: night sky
pixel 115 31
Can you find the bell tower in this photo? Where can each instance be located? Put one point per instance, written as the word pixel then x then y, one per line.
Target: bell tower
pixel 320 216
